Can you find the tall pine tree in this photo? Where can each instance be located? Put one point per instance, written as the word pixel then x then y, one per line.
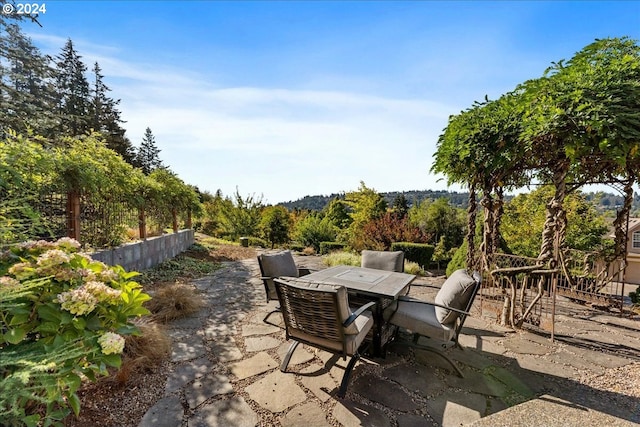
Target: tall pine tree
pixel 148 156
pixel 27 95
pixel 74 105
pixel 106 117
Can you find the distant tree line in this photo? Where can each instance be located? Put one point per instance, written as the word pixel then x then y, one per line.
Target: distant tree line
pixel 603 202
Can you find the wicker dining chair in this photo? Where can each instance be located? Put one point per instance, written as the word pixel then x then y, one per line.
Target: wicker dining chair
pixel 280 264
pixel 441 320
pixel 383 260
pixel 319 315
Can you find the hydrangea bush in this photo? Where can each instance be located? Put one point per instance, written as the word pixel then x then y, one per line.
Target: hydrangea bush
pixel 63 318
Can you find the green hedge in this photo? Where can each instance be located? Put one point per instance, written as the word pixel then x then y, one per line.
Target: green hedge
pixel 420 253
pixel 326 247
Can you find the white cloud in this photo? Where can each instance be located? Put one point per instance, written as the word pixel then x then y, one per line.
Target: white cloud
pixel 279 142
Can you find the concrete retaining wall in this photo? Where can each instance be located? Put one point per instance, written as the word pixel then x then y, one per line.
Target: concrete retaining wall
pixel 146 254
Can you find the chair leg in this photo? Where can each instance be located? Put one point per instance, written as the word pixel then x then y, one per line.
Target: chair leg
pixel 347 375
pixel 287 358
pixel 277 310
pixel 441 354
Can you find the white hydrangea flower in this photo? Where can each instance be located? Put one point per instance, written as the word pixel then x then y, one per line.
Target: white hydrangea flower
pixel 111 343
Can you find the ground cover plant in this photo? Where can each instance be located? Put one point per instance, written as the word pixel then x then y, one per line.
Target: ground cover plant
pixel 64 319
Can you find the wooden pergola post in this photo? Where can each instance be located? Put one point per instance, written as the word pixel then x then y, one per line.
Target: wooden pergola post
pixel 73 215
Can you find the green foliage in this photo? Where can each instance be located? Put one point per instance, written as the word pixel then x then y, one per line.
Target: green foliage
pixel 148 156
pixel 257 241
pixel 328 247
pixel 364 206
pixel 275 225
pixel 63 317
pixel 337 213
pixel 440 221
pixel 411 267
pixel 240 217
pixel 459 259
pixel 181 266
pixel 635 298
pixel 312 230
pixel 417 252
pixel 586 228
pixel 342 258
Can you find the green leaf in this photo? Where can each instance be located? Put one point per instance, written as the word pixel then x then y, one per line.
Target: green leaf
pixel 74 402
pixel 49 312
pixel 112 360
pixel 31 420
pixel 79 323
pixel 14 336
pixel 18 319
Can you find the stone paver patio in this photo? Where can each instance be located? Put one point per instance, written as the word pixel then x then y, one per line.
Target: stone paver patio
pixel 225 371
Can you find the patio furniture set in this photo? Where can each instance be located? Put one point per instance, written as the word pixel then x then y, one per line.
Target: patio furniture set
pixel 349 310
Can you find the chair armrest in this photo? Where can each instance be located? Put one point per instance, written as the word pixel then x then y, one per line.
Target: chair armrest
pixel 303 271
pixel 357 313
pixel 417 301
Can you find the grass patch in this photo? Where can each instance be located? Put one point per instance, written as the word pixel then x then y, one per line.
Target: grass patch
pixel 143 352
pixel 180 267
pixel 411 267
pixel 342 258
pixel 174 301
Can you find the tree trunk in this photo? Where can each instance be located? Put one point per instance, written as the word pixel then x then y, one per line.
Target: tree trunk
pixel 471 228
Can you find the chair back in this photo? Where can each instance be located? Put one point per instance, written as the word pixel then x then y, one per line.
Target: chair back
pixel 314 313
pixel 459 291
pixel 383 260
pixel 280 264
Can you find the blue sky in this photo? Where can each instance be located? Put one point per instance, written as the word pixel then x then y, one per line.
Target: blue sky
pixel 286 99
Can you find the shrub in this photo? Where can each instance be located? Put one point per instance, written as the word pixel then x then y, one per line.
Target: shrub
pixel 459 259
pixel 64 318
pixel 413 268
pixel 327 247
pixel 417 252
pixel 312 230
pixel 380 233
pixel 342 258
pixel 257 241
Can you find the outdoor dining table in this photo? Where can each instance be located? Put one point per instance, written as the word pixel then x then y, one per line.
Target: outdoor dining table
pixel 364 285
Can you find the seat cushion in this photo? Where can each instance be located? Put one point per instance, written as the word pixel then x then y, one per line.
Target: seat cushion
pixel 455 292
pixel 420 317
pixel 383 260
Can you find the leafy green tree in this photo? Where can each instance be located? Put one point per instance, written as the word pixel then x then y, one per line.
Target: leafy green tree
pixel 525 216
pixel 74 106
pixel 439 220
pixel 148 155
pixel 275 225
pixel 241 216
pixel 314 229
pixel 337 213
pixel 364 206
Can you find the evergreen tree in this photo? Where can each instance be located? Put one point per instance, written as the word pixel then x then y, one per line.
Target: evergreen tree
pixel 148 158
pixel 106 118
pixel 74 102
pixel 26 90
pixel 400 207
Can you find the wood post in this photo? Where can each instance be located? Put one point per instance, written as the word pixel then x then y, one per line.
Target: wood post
pixel 73 215
pixel 142 224
pixel 174 215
